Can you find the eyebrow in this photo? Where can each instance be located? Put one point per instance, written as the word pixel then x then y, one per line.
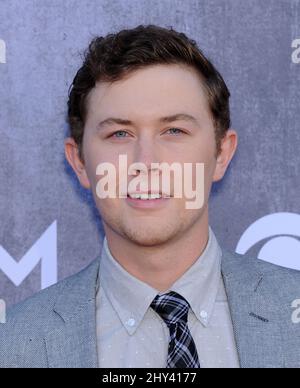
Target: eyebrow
pixel 166 119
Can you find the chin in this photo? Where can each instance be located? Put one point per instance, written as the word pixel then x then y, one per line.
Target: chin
pixel 149 237
pixel 147 241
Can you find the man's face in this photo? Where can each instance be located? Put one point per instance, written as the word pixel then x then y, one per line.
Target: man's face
pixel 144 97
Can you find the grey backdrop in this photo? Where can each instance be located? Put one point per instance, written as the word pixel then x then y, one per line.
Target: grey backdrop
pixel 251 42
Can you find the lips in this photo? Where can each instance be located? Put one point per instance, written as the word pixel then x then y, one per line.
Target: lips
pixel 140 203
pixel 148 195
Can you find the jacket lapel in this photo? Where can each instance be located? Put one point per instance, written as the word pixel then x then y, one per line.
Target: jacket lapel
pixel 73 342
pixel 256 327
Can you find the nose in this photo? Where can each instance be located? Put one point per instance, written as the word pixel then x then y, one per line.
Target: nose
pixel 146 153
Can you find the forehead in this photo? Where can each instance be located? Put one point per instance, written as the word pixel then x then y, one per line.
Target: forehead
pixel 150 91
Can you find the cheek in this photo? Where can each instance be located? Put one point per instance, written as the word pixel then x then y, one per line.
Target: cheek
pixel 207 153
pixel 206 156
pixel 95 155
pixel 200 148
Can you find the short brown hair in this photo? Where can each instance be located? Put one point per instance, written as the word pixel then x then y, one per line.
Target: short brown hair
pixel 112 57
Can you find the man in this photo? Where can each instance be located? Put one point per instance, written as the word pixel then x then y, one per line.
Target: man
pixel 162 293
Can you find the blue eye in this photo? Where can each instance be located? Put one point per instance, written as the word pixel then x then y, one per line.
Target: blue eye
pixel 122 134
pixel 176 129
pixel 118 132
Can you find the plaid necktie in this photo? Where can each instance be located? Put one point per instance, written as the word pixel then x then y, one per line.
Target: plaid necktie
pixel 173 309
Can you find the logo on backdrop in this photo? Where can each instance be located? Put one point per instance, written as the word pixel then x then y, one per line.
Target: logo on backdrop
pixel 2 311
pixel 280 233
pixel 44 251
pixel 2 51
pixel 296 52
pixel 296 311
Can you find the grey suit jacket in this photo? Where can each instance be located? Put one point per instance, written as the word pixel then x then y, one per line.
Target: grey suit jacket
pixel 57 326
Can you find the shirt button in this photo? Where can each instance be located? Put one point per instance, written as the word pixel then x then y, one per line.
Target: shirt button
pixel 131 322
pixel 203 314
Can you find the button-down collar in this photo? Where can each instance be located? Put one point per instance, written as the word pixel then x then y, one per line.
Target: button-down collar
pixel 131 297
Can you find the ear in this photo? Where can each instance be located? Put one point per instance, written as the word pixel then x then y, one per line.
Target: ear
pixel 228 147
pixel 72 156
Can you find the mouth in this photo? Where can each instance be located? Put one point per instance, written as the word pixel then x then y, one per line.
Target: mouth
pixel 148 196
pixel 148 200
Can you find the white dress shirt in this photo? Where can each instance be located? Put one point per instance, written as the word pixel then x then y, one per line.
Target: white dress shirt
pixel 130 334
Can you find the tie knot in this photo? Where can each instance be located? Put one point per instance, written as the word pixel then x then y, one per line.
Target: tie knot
pixel 172 307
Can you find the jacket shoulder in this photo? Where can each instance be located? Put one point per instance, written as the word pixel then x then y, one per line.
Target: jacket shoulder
pixel 247 265
pixel 33 314
pixel 28 323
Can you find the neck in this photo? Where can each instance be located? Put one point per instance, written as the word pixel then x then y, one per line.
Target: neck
pixel 160 266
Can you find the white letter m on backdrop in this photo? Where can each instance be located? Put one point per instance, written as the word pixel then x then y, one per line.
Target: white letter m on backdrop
pixel 2 51
pixel 44 251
